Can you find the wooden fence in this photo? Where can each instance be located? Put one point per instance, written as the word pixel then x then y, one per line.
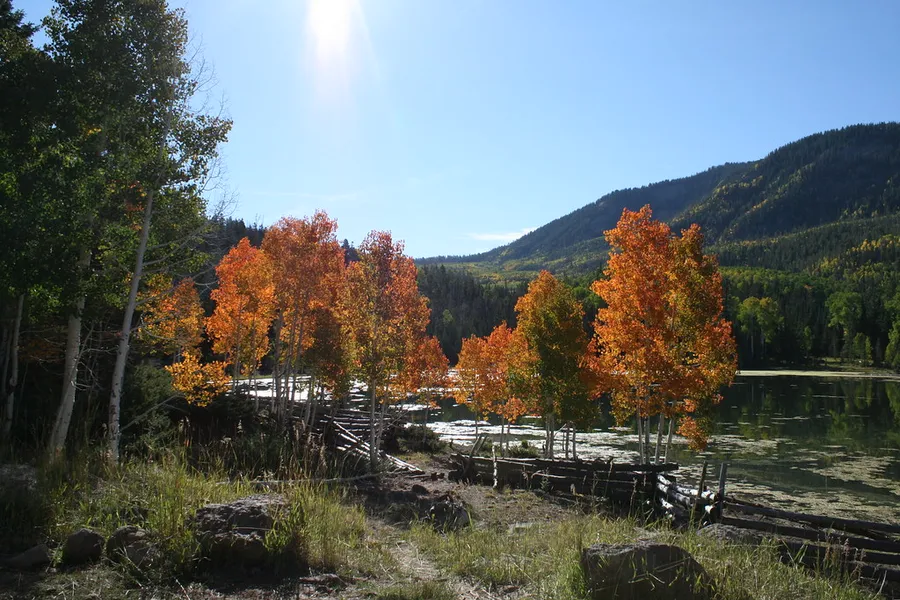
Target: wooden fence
pixel 866 548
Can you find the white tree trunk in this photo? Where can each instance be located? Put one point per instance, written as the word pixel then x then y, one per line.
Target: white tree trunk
pixel 14 370
pixel 551 434
pixel 659 430
pixel 373 436
pixel 70 379
pixel 640 435
pixel 115 396
pixel 669 439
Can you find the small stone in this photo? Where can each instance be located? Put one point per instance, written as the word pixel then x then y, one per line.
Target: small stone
pixel 449 515
pixel 38 556
pixel 133 545
pixel 82 547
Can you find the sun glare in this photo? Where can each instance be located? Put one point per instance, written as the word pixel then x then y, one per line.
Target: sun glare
pixel 330 23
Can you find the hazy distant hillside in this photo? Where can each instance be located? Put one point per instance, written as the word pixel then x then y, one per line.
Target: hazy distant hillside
pixel 803 204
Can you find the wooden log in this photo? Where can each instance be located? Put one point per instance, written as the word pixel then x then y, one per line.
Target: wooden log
pixel 700 486
pixel 831 522
pixel 836 554
pixel 816 535
pixel 673 510
pixel 706 496
pixel 879 574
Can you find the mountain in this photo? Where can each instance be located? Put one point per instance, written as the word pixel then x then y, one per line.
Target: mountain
pixel 804 205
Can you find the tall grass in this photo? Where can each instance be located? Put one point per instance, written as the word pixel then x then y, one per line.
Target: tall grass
pixel 319 530
pixel 545 559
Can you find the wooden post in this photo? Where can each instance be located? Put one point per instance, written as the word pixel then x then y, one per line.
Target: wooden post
pixel 699 491
pixel 720 500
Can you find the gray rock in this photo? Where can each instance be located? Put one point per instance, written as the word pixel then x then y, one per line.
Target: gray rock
pixel 234 533
pixel 449 515
pixel 18 478
pixel 133 545
pixel 35 557
pixel 644 569
pixel 82 547
pixel 731 534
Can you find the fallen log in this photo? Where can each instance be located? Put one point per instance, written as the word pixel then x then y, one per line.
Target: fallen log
pixel 852 525
pixel 840 555
pixel 816 535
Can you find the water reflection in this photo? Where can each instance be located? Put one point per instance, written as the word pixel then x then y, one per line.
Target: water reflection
pixel 827 445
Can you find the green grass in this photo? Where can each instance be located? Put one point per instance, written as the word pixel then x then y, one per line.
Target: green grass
pixel 320 530
pixel 545 559
pixel 420 590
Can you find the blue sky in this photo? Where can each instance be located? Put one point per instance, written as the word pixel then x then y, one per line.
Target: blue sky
pixel 459 124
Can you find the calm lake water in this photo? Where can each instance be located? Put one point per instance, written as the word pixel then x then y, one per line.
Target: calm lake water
pixel 823 444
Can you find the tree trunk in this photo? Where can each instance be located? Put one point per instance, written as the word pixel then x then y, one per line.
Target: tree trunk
pixel 14 369
pixel 574 438
pixel 551 434
pixel 669 439
pixel 115 396
pixel 659 430
pixel 70 368
pixel 640 435
pixel 373 438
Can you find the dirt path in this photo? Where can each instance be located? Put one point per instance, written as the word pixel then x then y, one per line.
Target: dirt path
pixel 418 567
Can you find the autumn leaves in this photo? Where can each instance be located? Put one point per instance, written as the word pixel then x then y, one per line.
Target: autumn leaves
pixel 660 348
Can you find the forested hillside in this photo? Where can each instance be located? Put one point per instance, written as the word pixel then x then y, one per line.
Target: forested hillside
pixel 809 237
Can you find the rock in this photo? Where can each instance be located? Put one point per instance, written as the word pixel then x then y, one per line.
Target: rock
pixel 133 545
pixel 449 514
pixel 731 534
pixel 234 533
pixel 38 556
pixel 643 569
pixel 18 478
pixel 81 547
pixel 419 489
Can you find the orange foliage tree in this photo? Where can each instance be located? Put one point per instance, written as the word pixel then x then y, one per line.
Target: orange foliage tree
pixel 199 383
pixel 495 374
pixel 661 343
pixel 551 319
pixel 386 315
pixel 307 266
pixel 172 319
pixel 245 297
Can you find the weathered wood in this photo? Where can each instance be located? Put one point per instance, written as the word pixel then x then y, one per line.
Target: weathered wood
pixel 816 535
pixel 706 496
pixel 841 554
pixel 723 471
pixel 878 574
pixel 831 522
pixel 700 487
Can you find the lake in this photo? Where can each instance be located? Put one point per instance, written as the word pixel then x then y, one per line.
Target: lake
pixel 811 442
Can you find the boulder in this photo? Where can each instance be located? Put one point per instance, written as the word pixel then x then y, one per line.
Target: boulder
pixel 133 545
pixel 449 514
pixel 82 547
pixel 35 557
pixel 731 534
pixel 234 533
pixel 644 569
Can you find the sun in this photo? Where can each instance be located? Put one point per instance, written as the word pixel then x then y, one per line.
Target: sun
pixel 329 23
